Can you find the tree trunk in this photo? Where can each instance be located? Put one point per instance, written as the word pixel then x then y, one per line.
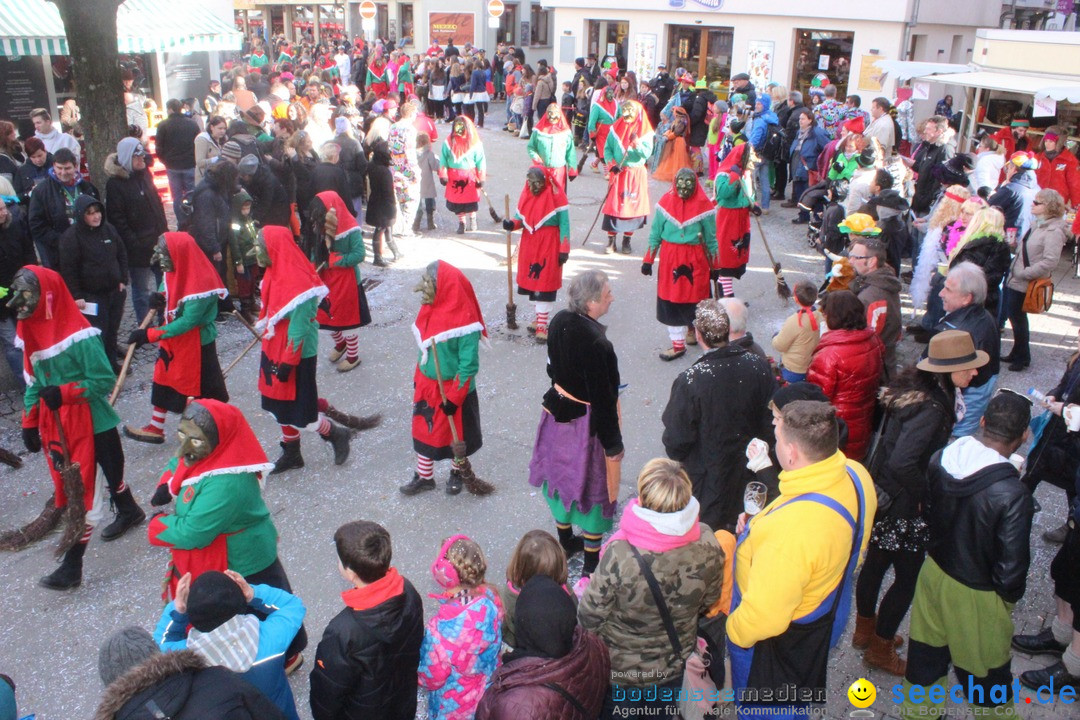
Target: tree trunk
pixel 92 41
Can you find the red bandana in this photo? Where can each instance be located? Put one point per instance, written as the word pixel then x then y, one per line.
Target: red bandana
pixel 809 312
pixel 193 275
pixel 683 212
pixel 56 323
pixel 454 313
pixel 534 210
pixel 345 219
pixel 289 281
pixel 237 451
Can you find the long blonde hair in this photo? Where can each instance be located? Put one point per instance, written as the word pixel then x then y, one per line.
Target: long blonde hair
pixel 986 221
pixel 948 209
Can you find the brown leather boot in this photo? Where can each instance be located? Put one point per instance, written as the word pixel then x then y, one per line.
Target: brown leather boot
pixel 882 655
pixel 864 630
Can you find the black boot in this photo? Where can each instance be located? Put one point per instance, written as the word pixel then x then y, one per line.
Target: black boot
pixel 69 574
pixel 376 249
pixel 431 220
pixel 417 485
pixel 290 457
pixel 416 223
pixel 571 544
pixel 460 227
pixel 592 560
pixel 625 244
pixel 455 483
pixel 339 440
pixel 610 249
pixel 128 515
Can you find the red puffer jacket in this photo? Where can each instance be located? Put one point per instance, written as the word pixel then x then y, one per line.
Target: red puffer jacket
pixel 847 366
pixel 1061 174
pixel 518 691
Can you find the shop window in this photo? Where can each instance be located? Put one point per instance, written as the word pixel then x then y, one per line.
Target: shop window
pixel 538 26
pixel 607 39
pixel 822 51
pixel 706 52
pixel 406 10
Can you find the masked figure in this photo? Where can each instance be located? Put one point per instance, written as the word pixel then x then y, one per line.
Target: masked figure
pixel 551 146
pixel 68 380
pixel 187 363
pixel 734 195
pixel 601 117
pixel 462 170
pixel 543 217
pixel 628 147
pixel 339 255
pixel 378 80
pixel 684 235
pixel 449 329
pixel 291 293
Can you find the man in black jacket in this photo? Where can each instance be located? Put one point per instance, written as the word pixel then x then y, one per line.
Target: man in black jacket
pixel 270 204
pixel 933 150
pixel 980 522
pixel 52 205
pixel 16 250
pixel 889 208
pixel 699 124
pixel 663 85
pixel 93 263
pixel 366 664
pixel 176 147
pixel 717 406
pixel 135 210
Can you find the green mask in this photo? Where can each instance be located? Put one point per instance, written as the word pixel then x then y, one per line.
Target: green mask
pixel 161 256
pixel 25 294
pixel 262 255
pixel 685 183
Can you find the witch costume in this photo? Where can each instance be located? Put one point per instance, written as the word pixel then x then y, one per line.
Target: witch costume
pixel 462 169
pixel 551 146
pixel 734 197
pixel 626 150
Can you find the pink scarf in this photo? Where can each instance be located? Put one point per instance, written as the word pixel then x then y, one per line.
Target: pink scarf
pixel 640 533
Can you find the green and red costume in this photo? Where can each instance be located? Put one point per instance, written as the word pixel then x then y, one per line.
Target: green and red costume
pixel 684 236
pixel 454 326
pixel 405 80
pixel 601 118
pixel 378 81
pixel 61 349
pixel 346 307
pixel 545 223
pixel 733 201
pixel 220 521
pixel 629 146
pixel 551 146
pixel 187 363
pixel 462 164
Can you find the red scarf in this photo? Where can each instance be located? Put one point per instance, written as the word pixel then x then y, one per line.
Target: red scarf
pixel 193 276
pixel 454 313
pixel 637 127
pixel 237 451
pixel 683 212
pixel 56 323
pixel 534 210
pixel 388 586
pixel 289 281
pixel 460 145
pixel 809 312
pixel 346 222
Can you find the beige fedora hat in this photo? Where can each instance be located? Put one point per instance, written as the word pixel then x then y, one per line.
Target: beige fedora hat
pixel 952 350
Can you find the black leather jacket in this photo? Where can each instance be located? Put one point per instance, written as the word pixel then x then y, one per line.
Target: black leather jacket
pixel 980 527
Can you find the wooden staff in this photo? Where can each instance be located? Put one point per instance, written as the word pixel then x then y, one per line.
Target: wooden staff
pixel 127 359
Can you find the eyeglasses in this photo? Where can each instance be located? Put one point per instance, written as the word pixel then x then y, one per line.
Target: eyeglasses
pixel 858 257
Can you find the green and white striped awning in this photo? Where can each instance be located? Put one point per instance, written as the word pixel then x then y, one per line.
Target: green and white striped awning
pixel 33 27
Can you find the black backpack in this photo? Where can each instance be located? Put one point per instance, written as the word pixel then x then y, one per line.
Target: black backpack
pixel 772 149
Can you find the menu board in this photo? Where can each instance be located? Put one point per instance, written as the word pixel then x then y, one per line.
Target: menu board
pixel 22 88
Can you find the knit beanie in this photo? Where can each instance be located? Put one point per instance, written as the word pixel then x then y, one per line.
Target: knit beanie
pixel 124 650
pixel 214 599
pixel 231 151
pixel 248 165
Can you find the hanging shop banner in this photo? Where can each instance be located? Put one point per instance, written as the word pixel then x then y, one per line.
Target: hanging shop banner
pixel 459 26
pixel 870 76
pixel 759 61
pixel 645 55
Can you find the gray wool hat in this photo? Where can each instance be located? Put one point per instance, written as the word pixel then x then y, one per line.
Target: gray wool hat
pixel 231 151
pixel 124 650
pixel 248 165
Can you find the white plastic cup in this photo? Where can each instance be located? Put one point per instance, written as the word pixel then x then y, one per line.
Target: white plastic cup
pixel 1071 413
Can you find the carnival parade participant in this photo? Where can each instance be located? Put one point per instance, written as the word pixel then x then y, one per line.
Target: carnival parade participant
pixel 734 195
pixel 579 447
pixel 543 216
pixel 462 171
pixel 338 258
pixel 601 118
pixel 626 150
pixel 65 408
pixel 187 361
pixel 449 329
pixel 684 235
pixel 551 146
pixel 291 293
pixel 378 79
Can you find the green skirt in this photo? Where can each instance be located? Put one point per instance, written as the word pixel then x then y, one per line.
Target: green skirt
pixel 592 522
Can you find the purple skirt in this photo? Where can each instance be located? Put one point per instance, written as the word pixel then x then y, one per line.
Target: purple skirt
pixel 570 460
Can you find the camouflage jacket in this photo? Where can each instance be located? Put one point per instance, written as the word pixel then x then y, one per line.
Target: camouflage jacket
pixel 618 606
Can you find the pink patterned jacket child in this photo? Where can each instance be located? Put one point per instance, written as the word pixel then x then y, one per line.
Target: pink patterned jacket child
pixel 461 650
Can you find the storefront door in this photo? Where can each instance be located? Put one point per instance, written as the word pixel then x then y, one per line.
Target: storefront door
pixel 706 52
pixel 822 51
pixel 608 38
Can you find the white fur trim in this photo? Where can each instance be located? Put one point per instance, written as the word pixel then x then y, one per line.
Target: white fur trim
pixel 929 256
pixel 350 230
pixel 266 325
pixel 691 221
pixel 543 220
pixel 222 293
pixel 447 335
pixel 51 352
pixel 258 468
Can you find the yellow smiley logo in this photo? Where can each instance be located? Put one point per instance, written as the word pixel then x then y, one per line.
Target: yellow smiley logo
pixel 862 693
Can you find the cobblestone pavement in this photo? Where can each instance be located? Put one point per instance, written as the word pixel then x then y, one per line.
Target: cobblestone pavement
pixel 51 640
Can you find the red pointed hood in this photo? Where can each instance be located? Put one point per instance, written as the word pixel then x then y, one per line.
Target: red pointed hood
pixel 683 212
pixel 193 275
pixel 461 145
pixel 734 163
pixel 545 125
pixel 56 323
pixel 454 313
pixel 636 127
pixel 534 210
pixel 237 451
pixel 346 221
pixel 289 281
